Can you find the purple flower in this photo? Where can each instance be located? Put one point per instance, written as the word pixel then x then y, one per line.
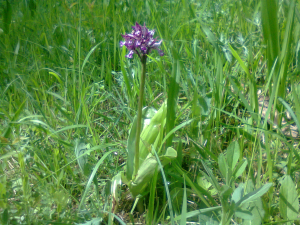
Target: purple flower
pixel 140 41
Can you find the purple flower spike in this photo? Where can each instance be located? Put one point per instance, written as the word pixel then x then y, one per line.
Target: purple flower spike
pixel 141 41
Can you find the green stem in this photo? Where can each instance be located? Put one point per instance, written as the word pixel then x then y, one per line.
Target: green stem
pixel 139 116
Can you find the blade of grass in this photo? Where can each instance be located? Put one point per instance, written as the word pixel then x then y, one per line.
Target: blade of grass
pixel 184 207
pixel 99 163
pixel 172 101
pixel 166 187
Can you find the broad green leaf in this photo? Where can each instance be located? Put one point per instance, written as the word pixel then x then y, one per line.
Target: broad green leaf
pixel 116 183
pixel 240 168
pixel 199 212
pixel 233 154
pixel 250 197
pixel 147 114
pixel 289 202
pixel 147 169
pixel 143 176
pixel 210 36
pixel 152 131
pixel 205 103
pixel 5 217
pixel 168 156
pixel 202 181
pixel 238 193
pixel 92 222
pixel 225 192
pixel 257 211
pixel 244 214
pixel 80 149
pixel 256 207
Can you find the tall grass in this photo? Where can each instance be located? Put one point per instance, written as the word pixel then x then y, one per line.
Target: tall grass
pixel 68 97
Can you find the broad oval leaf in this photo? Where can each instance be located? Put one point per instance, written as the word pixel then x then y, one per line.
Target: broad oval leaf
pixel 289 203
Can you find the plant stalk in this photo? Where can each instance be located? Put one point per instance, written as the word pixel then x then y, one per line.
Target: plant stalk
pixel 139 116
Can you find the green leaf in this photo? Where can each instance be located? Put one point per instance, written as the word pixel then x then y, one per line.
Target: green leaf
pixel 150 213
pixel 289 202
pixel 200 191
pixel 242 64
pixel 172 100
pixel 147 114
pixel 7 15
pixel 143 176
pixel 225 192
pixel 89 54
pixel 223 165
pixel 238 193
pixel 5 217
pixel 7 132
pixel 296 102
pixel 125 76
pixel 166 186
pixel 269 11
pixel 211 177
pixel 244 214
pixel 199 212
pixel 203 182
pixel 254 195
pixel 210 36
pixel 147 169
pixel 80 149
pixel 233 154
pixel 286 105
pixel 240 168
pixel 184 207
pixel 168 156
pixel 116 183
pixel 173 131
pixel 152 131
pixel 257 211
pixel 99 163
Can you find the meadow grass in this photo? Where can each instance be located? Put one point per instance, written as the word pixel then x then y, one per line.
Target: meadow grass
pixel 68 97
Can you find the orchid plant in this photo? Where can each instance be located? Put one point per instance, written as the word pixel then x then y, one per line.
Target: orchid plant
pixel 141 42
pixel 146 133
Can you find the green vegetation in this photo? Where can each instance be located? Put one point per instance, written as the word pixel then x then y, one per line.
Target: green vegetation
pixel 224 150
